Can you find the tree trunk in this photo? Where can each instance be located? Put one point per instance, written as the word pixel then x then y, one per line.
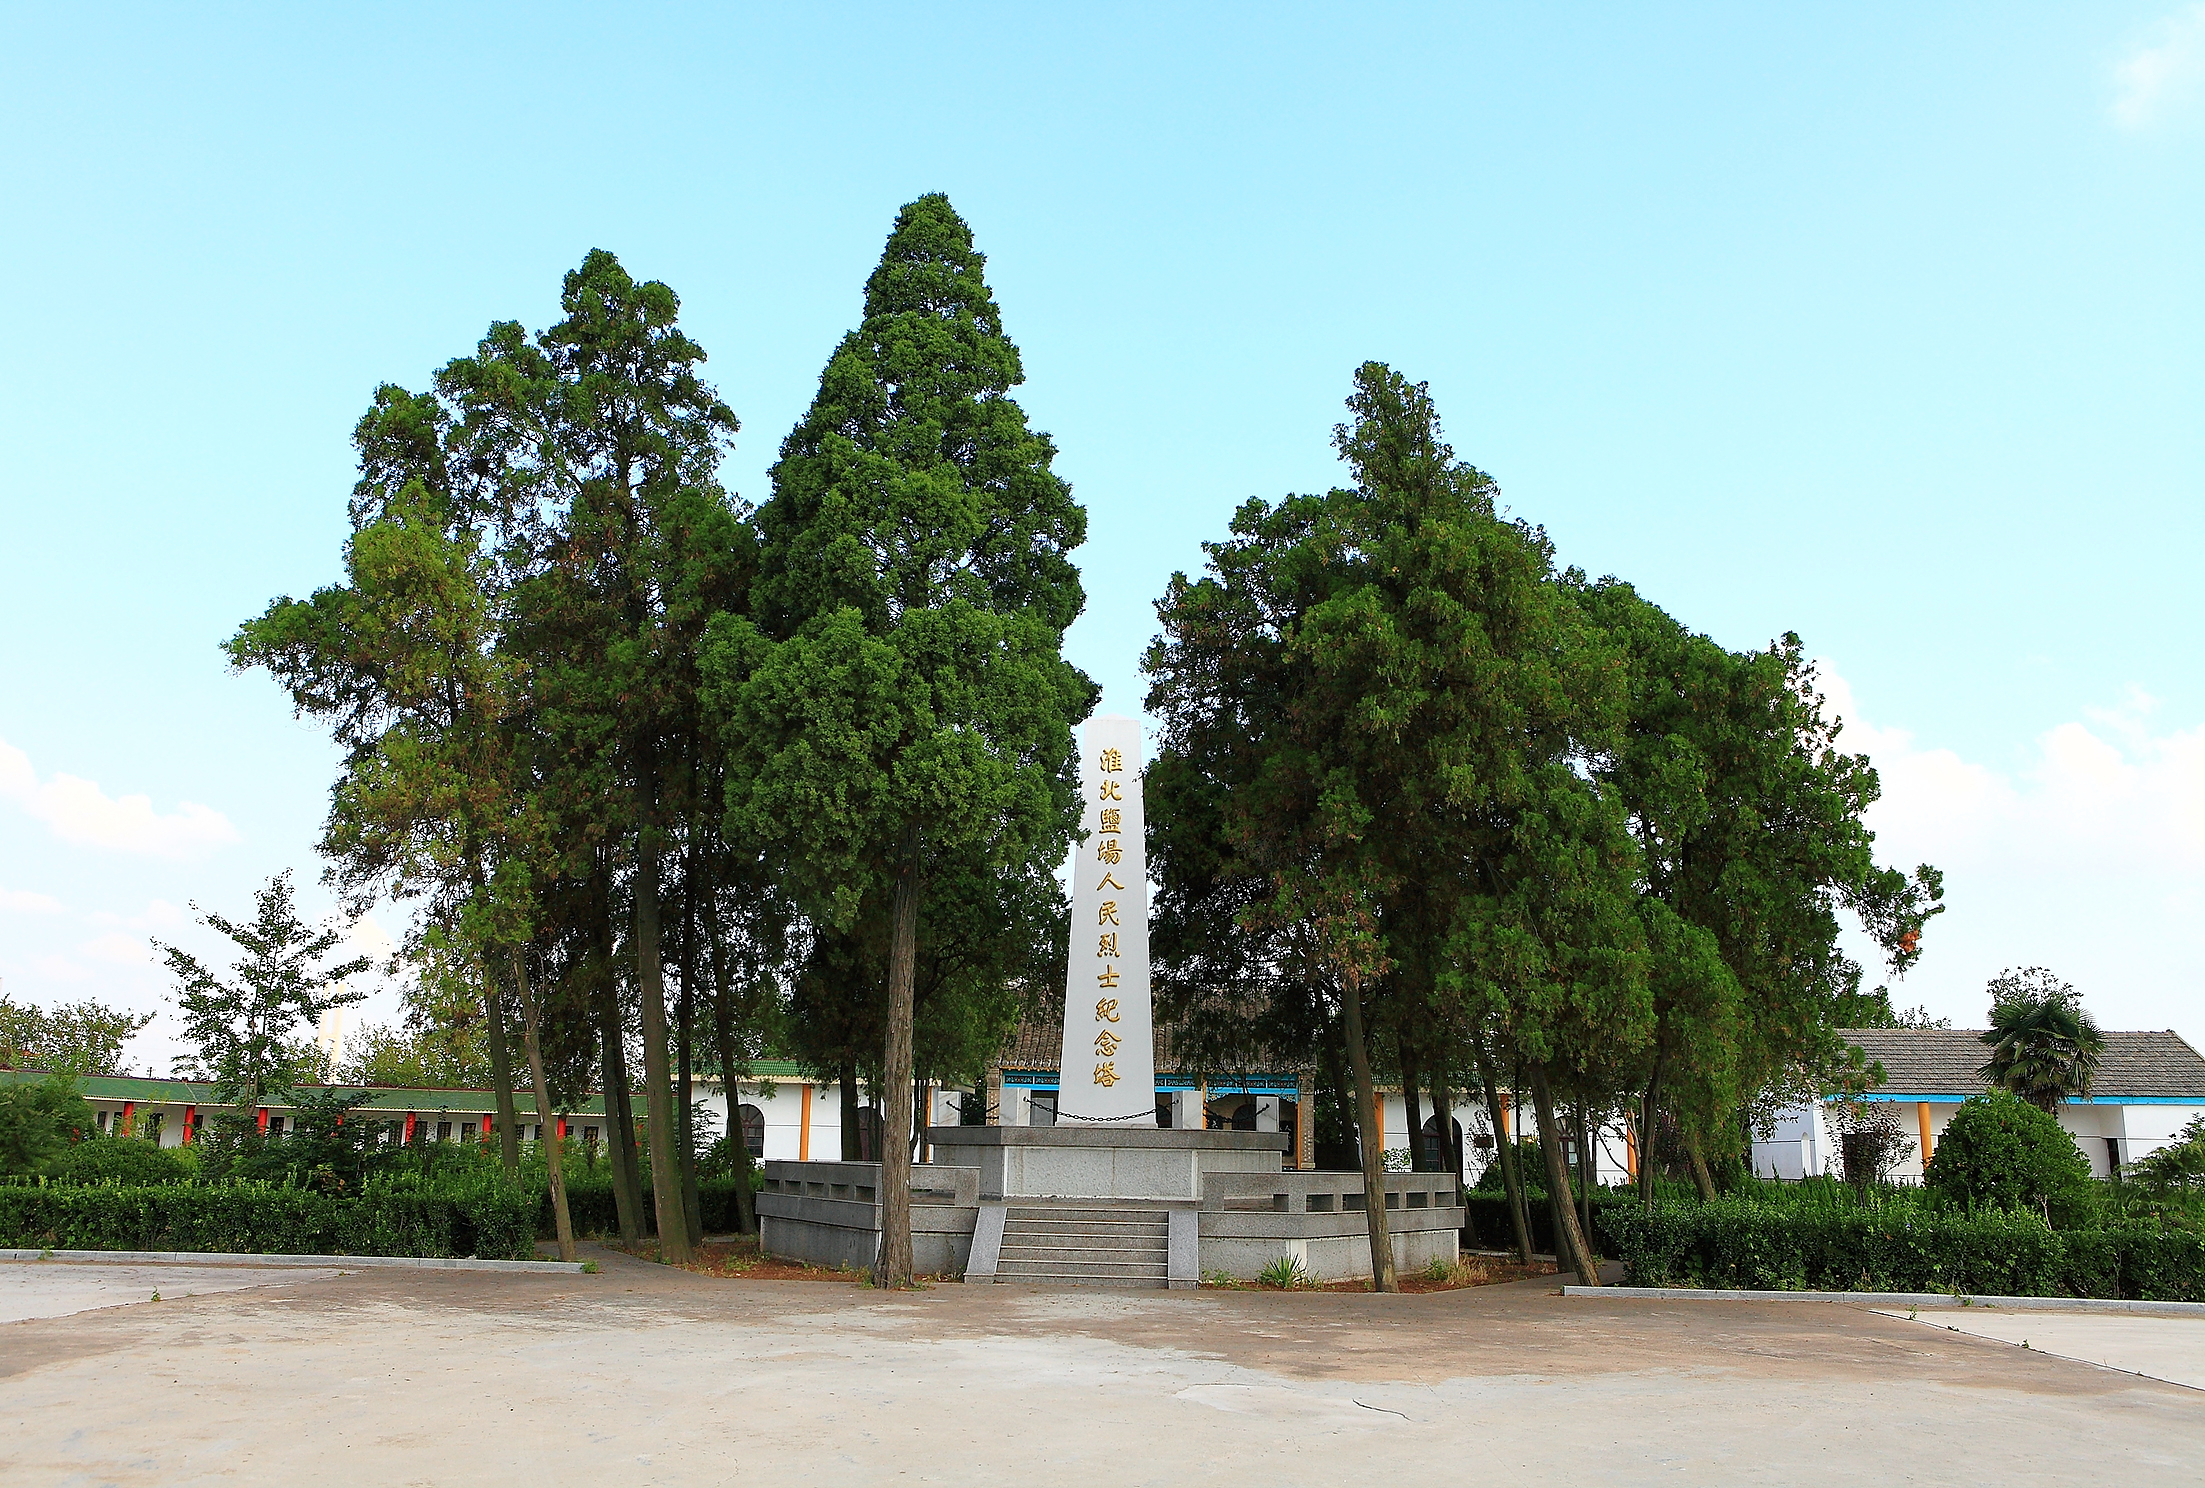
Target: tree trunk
pixel 554 1156
pixel 501 1074
pixel 1412 1102
pixel 1646 1120
pixel 1588 1170
pixel 1702 1179
pixel 1367 1140
pixel 692 1201
pixel 658 1084
pixel 1569 1242
pixel 723 1028
pixel 894 1266
pixel 853 1149
pixel 1448 1154
pixel 1343 1097
pixel 619 1115
pixel 1504 1153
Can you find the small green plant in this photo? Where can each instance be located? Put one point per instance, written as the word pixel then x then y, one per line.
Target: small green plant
pixel 589 1268
pixel 1222 1279
pixel 1286 1273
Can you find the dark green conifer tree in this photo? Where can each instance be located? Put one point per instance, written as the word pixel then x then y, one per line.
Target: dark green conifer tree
pixel 897 706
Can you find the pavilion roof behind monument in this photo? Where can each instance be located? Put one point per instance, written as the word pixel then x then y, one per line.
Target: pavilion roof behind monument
pixel 1038 1043
pixel 1940 1064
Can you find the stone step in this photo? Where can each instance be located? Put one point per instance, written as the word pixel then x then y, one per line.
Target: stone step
pixel 1083 1227
pixel 1089 1215
pixel 1064 1255
pixel 1066 1270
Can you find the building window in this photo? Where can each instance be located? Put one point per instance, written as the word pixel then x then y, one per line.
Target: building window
pixel 754 1130
pixel 466 1131
pixel 275 1126
pixel 444 1131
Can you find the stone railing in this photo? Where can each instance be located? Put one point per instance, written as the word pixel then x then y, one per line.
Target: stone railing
pixel 1304 1192
pixel 1320 1220
pixel 828 1213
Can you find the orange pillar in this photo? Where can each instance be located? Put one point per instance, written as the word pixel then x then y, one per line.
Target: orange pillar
pixel 1630 1154
pixel 1921 1113
pixel 804 1126
pixel 191 1117
pixel 130 1116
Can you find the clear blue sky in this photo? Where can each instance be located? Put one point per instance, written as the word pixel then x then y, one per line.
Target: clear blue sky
pixel 1885 324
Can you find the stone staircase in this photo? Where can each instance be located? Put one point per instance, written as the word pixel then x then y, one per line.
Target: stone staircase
pixel 1085 1242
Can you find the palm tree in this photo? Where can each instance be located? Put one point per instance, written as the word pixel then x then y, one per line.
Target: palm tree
pixel 2044 1047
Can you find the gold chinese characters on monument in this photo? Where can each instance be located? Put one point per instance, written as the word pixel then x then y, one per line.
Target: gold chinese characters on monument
pixel 1109 764
pixel 1109 1051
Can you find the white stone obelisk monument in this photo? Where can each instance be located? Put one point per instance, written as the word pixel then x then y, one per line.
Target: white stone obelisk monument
pixel 1108 1073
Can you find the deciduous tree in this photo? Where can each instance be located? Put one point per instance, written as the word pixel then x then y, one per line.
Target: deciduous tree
pixel 245 1029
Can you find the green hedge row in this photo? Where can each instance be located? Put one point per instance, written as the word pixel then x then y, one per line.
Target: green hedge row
pixel 491 1221
pixel 1738 1243
pixel 594 1212
pixel 1485 1216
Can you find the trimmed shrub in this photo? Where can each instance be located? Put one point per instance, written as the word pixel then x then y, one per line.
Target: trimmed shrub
pixel 1486 1222
pixel 1899 1248
pixel 2000 1151
pixel 494 1220
pixel 126 1160
pixel 590 1205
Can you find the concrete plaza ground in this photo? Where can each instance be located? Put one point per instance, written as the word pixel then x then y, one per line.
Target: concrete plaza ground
pixel 643 1375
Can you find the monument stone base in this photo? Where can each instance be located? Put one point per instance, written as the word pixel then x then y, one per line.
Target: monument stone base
pixel 1077 1161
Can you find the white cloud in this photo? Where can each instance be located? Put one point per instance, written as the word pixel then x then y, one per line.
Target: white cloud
pixel 2088 857
pixel 79 811
pixel 124 950
pixel 2163 75
pixel 23 901
pixel 158 914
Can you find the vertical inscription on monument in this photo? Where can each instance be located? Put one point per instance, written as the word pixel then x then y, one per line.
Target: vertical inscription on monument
pixel 1108 1070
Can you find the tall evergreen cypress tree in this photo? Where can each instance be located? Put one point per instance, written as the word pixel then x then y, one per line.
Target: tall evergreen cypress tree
pixel 899 708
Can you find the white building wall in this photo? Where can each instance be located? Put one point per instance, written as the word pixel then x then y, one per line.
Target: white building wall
pixel 1806 1145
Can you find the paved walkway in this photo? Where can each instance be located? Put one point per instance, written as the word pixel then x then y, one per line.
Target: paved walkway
pixel 2163 1348
pixel 641 1375
pixel 51 1289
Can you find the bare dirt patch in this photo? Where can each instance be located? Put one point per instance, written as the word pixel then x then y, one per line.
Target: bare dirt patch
pixel 738 1259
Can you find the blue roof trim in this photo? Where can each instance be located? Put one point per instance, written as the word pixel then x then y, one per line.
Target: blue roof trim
pixel 1260 1085
pixel 2081 1100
